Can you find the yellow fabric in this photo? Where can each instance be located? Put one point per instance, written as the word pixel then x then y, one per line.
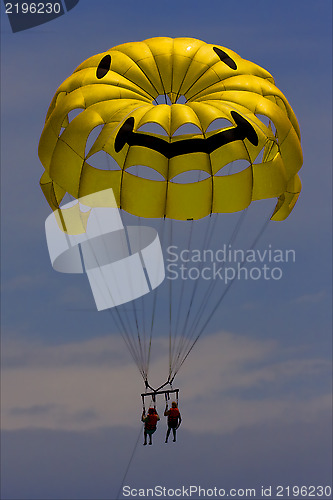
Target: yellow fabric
pixel 213 88
pixel 73 220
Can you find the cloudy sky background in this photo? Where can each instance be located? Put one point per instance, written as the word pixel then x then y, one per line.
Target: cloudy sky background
pixel 256 390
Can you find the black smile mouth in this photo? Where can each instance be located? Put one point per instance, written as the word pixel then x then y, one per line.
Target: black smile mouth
pixel 243 130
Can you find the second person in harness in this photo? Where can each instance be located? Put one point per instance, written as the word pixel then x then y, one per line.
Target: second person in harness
pixel 174 420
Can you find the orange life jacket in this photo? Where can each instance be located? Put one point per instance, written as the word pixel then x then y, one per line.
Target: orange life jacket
pixel 173 417
pixel 150 425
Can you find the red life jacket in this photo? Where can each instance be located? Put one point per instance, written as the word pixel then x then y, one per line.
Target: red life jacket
pixel 173 417
pixel 150 425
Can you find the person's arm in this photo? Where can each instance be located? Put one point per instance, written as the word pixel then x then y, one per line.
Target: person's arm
pixel 179 420
pixel 166 411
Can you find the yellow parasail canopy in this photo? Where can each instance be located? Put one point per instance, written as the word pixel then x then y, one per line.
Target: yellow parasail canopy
pixel 117 93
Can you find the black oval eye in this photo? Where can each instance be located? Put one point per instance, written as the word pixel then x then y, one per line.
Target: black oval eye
pixel 103 66
pixel 225 58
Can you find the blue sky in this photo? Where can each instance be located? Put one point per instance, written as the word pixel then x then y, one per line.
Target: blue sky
pixel 256 390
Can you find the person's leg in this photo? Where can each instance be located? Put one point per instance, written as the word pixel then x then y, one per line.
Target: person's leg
pixel 174 433
pixel 167 434
pixel 145 435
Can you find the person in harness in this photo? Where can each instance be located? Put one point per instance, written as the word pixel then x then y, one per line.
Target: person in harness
pixel 174 420
pixel 150 422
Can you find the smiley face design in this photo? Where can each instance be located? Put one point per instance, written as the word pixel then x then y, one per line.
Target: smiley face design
pixel 171 117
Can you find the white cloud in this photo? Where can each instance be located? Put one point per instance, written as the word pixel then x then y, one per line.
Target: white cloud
pixel 25 282
pixel 313 298
pixel 228 382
